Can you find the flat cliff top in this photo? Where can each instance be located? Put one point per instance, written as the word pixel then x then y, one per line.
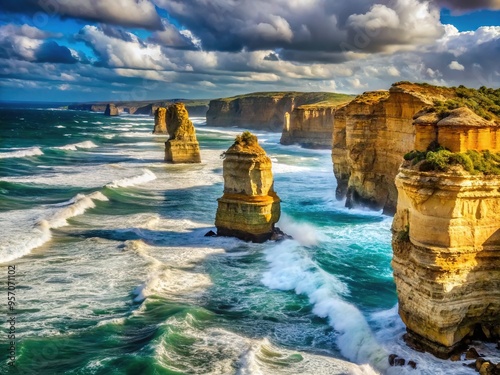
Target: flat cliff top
pixel 305 97
pixel 141 103
pixel 331 100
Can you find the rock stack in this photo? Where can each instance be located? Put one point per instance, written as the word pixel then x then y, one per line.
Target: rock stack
pixel 182 146
pixel 160 121
pixel 111 110
pixel 249 207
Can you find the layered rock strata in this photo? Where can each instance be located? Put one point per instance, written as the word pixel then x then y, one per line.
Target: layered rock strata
pixel 370 137
pixel 182 145
pixel 446 244
pixel 309 126
pixel 249 207
pixel 111 110
pixel 160 121
pixel 263 110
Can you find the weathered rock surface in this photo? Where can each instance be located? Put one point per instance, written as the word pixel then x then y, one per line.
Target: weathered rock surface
pixel 446 245
pixel 160 121
pixel 259 110
pixel 182 145
pixel 249 207
pixel 370 137
pixel 111 110
pixel 309 126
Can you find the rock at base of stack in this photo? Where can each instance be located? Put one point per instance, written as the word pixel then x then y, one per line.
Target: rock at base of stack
pixel 182 146
pixel 160 121
pixel 249 207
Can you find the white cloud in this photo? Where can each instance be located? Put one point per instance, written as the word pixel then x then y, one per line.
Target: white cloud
pixel 455 65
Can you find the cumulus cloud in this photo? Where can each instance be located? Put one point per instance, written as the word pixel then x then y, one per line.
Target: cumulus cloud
pixel 308 31
pixel 23 42
pixel 455 65
pixel 171 37
pixel 131 13
pixel 122 49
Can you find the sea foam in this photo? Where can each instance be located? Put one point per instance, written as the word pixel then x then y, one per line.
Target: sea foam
pixel 25 240
pixel 75 146
pixel 33 151
pixel 131 181
pixel 291 269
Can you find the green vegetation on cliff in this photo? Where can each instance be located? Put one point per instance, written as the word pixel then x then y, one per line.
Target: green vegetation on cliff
pixel 437 158
pixel 316 98
pixel 484 102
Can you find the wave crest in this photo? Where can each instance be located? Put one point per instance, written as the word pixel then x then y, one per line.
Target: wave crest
pixel 131 181
pixel 33 151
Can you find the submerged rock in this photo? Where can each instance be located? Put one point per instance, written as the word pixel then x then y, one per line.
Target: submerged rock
pixel 249 207
pixel 182 146
pixel 160 121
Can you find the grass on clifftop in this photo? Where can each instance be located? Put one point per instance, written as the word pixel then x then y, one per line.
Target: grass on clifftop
pixel 437 158
pixel 484 102
pixel 304 97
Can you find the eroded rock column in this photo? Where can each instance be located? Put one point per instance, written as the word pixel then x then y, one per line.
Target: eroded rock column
pixel 249 207
pixel 160 121
pixel 182 146
pixel 446 261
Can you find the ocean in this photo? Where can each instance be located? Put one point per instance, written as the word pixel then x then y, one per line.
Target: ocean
pixel 113 273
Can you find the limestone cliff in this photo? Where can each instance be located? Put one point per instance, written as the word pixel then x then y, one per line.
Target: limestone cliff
pixel 311 126
pixel 111 110
pixel 160 121
pixel 182 145
pixel 371 134
pixel 249 207
pixel 264 110
pixel 446 244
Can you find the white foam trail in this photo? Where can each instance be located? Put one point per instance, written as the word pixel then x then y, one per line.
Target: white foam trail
pixel 291 270
pixel 60 126
pixel 125 182
pixel 25 242
pixel 75 146
pixel 304 233
pixel 77 206
pixel 34 151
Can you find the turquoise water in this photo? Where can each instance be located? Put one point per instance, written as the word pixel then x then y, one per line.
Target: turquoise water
pixel 115 276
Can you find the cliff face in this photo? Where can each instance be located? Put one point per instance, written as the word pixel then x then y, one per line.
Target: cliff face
pixel 371 135
pixel 309 126
pixel 111 110
pixel 160 121
pixel 182 145
pixel 258 110
pixel 446 244
pixel 249 207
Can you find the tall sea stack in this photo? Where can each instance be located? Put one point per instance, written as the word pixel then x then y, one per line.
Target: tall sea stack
pixel 182 146
pixel 160 121
pixel 446 233
pixel 249 207
pixel 111 110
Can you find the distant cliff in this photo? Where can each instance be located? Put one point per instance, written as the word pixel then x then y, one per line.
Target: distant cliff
pixel 261 110
pixel 196 108
pixel 312 125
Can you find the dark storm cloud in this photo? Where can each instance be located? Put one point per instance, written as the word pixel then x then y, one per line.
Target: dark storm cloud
pixel 54 53
pixel 466 5
pixel 171 37
pixel 307 30
pixel 130 13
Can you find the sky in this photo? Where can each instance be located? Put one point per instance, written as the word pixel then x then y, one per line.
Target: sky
pixel 92 50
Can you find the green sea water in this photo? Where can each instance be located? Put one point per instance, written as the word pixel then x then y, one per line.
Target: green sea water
pixel 115 276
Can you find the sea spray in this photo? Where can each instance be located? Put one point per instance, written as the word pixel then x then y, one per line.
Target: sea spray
pixel 291 269
pixel 40 233
pixel 33 151
pixel 131 181
pixel 75 146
